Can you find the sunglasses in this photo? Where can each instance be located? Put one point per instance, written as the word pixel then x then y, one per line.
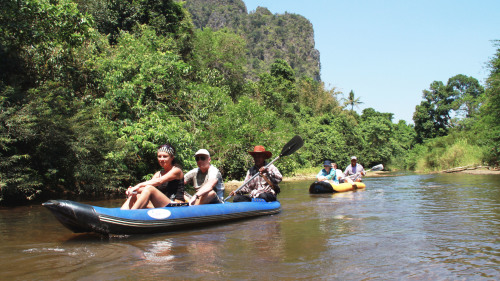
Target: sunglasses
pixel 202 158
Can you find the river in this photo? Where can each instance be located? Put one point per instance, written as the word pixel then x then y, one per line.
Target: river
pixel 404 227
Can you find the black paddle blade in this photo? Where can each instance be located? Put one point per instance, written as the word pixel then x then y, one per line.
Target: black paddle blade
pixel 293 145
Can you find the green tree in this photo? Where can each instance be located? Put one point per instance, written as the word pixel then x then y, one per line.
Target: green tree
pixel 144 99
pixel 432 116
pixel 281 69
pixel 488 127
pixel 468 94
pixel 462 95
pixel 141 70
pixel 39 90
pixel 370 112
pixel 376 132
pixel 403 141
pixel 240 127
pixel 224 52
pixel 53 146
pixel 37 41
pixel 352 101
pixel 166 17
pixel 276 90
pixel 315 99
pixel 326 139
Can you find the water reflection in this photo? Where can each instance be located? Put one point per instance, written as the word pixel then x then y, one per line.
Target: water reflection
pixel 160 252
pixel 198 255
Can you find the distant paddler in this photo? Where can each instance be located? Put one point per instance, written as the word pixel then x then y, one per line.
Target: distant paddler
pixel 328 173
pixel 354 171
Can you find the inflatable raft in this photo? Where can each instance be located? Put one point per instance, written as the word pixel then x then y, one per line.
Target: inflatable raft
pixel 325 187
pixel 80 217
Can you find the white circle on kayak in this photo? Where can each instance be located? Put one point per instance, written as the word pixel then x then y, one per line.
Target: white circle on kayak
pixel 159 213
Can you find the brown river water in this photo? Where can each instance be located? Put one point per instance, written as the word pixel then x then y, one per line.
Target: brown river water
pixel 404 227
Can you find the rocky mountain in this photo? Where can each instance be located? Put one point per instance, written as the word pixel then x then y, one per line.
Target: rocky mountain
pixel 269 36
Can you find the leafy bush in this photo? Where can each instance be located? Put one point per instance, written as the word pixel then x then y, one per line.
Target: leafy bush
pixel 445 153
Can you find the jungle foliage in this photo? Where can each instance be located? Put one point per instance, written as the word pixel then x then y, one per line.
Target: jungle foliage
pixel 90 89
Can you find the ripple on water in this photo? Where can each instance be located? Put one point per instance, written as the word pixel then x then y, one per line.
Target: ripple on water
pixel 64 260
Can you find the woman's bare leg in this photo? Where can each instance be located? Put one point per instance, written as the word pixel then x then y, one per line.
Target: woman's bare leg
pixel 129 202
pixel 150 193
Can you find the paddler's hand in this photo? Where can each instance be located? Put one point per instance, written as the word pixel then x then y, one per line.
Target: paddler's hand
pixel 193 199
pixel 262 170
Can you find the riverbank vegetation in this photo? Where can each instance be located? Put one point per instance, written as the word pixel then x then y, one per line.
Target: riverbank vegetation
pixel 89 89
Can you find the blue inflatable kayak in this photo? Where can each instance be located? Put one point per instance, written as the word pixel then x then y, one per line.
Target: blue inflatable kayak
pixel 80 217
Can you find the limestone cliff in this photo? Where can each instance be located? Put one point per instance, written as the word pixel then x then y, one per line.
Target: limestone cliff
pixel 269 36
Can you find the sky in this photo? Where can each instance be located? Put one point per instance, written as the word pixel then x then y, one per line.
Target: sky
pixel 389 51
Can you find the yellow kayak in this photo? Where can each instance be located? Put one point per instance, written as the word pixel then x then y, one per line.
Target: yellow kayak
pixel 325 187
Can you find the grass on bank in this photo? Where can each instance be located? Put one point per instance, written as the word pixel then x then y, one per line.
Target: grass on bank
pixel 446 153
pixel 306 172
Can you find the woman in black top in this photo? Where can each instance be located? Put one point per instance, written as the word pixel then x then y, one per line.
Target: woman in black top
pixel 157 191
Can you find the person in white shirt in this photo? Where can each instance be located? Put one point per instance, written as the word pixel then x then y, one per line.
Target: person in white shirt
pixel 354 171
pixel 340 175
pixel 206 179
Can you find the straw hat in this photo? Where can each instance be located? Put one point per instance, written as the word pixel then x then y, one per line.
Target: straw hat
pixel 259 149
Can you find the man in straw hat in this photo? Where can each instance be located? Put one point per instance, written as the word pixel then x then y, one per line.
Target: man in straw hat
pixel 264 186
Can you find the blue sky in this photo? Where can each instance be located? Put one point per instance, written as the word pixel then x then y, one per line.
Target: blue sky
pixel 389 51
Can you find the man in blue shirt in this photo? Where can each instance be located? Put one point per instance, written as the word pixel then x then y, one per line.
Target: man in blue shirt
pixel 328 173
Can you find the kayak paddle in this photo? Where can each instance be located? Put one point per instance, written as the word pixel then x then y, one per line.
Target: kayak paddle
pixel 378 167
pixel 375 168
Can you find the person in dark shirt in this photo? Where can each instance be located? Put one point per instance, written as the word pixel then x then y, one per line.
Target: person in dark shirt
pixel 165 184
